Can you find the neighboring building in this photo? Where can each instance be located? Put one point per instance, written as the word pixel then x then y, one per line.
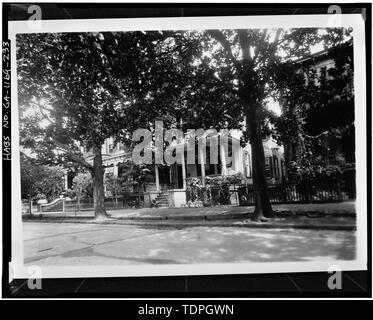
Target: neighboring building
pixel 337 149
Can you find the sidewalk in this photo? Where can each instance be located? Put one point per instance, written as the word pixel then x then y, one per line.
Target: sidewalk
pixel 216 212
pixel 331 216
pixel 232 212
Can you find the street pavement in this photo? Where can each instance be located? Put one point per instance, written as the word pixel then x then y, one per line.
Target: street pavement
pixel 68 244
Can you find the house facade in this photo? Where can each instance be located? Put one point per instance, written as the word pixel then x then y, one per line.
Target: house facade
pixel 167 184
pixel 338 112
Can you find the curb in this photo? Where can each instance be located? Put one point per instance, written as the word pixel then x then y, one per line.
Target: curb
pixel 163 223
pixel 257 226
pixel 230 216
pixel 183 217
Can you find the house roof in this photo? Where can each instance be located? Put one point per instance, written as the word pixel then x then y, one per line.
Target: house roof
pixel 325 54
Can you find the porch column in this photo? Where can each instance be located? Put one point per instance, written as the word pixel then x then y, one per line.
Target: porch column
pixel 183 169
pixel 170 175
pixel 66 176
pixel 222 160
pixel 115 170
pixel 202 161
pixel 157 178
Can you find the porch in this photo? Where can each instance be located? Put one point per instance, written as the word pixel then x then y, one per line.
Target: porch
pixel 169 188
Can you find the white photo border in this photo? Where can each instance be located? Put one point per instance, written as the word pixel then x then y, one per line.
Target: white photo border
pixel 354 21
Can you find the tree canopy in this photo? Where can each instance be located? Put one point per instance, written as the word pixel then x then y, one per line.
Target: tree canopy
pixel 236 71
pixel 40 181
pixel 77 89
pixel 91 86
pixel 317 117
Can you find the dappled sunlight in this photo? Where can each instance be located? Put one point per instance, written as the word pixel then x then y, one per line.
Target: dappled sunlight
pixel 156 252
pixel 319 258
pixel 130 245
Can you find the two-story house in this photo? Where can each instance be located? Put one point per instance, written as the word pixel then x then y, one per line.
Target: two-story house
pixel 168 184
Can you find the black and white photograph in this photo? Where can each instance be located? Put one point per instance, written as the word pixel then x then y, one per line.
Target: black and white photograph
pixel 188 146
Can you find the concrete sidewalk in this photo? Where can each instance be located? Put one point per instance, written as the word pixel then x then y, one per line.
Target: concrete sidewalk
pixel 235 212
pixel 338 216
pixel 216 212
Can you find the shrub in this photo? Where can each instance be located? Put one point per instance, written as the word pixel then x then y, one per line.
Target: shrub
pixel 223 183
pixel 198 194
pixel 82 185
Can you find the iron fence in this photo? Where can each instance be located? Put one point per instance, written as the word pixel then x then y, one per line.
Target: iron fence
pixel 304 192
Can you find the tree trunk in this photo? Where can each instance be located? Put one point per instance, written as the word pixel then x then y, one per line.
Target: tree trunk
pixel 263 207
pixel 30 206
pixel 78 203
pixel 287 156
pixel 98 184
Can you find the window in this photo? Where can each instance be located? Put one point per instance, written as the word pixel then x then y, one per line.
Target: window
pixel 276 168
pixel 247 165
pixel 230 153
pixel 269 167
pixel 283 168
pixel 209 167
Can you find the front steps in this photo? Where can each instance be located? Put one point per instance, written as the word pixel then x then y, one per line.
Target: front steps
pixel 162 200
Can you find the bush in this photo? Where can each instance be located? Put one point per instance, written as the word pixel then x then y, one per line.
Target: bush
pixel 69 193
pixel 223 183
pixel 198 194
pixel 83 185
pixel 40 181
pixel 216 189
pixel 40 196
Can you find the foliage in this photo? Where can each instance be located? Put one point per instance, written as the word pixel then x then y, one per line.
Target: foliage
pixel 235 179
pixel 113 184
pixel 316 172
pixel 132 176
pixel 237 70
pixel 140 172
pixel 223 183
pixel 40 182
pixel 318 113
pixel 203 194
pixel 77 89
pixel 199 195
pixel 82 185
pixel 69 193
pixel 90 86
pixel 195 186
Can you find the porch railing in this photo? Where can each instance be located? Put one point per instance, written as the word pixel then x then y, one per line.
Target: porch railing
pixel 343 161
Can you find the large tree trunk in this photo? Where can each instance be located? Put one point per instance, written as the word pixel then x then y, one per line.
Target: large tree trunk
pixel 98 184
pixel 288 156
pixel 263 207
